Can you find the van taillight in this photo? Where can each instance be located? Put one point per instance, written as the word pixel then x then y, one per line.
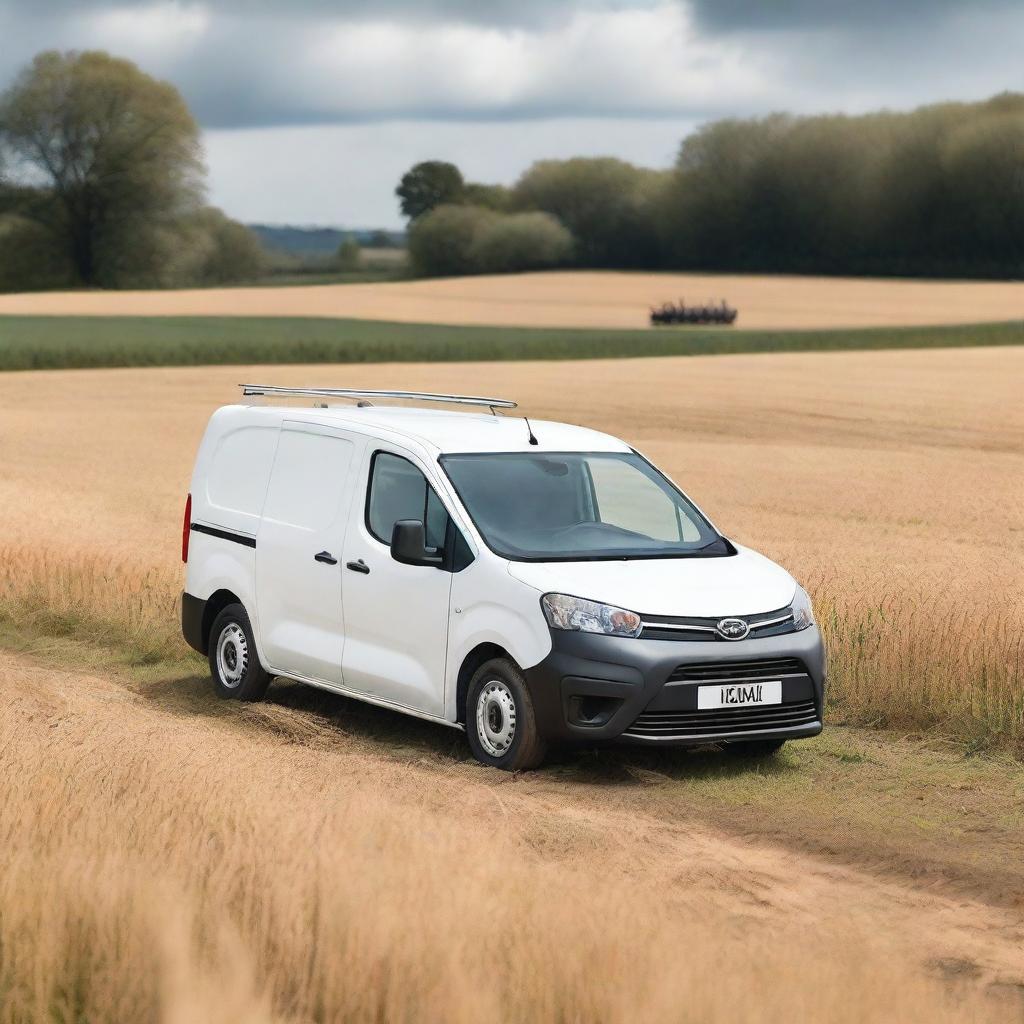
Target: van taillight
pixel 186 528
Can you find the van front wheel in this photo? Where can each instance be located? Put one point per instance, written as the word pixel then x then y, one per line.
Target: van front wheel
pixel 500 722
pixel 234 663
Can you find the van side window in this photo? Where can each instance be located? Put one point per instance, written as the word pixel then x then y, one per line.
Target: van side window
pixel 239 469
pixel 398 490
pixel 308 480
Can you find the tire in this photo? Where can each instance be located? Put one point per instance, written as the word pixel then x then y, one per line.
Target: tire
pixel 500 721
pixel 234 664
pixel 754 748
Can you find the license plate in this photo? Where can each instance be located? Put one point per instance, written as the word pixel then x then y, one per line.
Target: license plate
pixel 739 695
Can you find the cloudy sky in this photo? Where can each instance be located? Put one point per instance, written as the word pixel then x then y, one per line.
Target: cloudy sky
pixel 312 109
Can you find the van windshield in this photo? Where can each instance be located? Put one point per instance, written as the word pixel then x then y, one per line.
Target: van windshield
pixel 579 506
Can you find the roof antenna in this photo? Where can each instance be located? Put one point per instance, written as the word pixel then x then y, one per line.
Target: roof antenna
pixel 529 430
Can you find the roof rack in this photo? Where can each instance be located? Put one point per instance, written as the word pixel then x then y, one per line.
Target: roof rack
pixel 413 396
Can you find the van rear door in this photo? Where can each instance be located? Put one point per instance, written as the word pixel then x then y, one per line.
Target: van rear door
pixel 298 551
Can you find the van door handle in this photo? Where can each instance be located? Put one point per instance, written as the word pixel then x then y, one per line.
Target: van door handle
pixel 326 557
pixel 359 566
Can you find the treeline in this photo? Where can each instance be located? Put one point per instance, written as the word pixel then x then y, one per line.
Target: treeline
pixel 937 191
pixel 580 212
pixel 102 183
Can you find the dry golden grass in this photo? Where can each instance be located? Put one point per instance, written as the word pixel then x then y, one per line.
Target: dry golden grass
pixel 169 859
pixel 571 299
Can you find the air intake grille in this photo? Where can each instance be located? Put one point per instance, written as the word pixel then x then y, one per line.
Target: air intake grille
pixel 723 722
pixel 738 671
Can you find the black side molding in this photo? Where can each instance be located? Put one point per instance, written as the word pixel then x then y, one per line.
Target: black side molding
pixel 212 531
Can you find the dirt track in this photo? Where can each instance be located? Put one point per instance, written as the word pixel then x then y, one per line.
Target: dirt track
pixel 571 299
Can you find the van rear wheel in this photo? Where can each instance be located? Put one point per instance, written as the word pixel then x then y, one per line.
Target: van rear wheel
pixel 500 722
pixel 234 663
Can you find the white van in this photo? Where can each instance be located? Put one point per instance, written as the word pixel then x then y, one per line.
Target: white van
pixel 529 582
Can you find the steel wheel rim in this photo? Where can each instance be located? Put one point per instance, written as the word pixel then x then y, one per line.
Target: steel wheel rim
pixel 232 655
pixel 496 718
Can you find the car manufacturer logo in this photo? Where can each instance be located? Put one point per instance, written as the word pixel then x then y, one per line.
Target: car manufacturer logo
pixel 732 629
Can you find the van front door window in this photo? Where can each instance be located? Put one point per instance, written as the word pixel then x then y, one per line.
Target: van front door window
pixel 398 490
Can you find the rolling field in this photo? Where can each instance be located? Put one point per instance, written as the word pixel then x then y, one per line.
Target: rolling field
pixel 170 857
pixel 570 299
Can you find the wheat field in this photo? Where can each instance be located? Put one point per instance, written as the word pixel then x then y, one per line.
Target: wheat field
pixel 167 858
pixel 595 299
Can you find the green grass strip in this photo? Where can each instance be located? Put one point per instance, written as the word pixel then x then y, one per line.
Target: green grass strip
pixel 51 343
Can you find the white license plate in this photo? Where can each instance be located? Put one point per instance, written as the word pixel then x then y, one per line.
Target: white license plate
pixel 739 695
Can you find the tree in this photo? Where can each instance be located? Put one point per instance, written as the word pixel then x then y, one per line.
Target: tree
pixel 983 163
pixel 114 160
pixel 459 239
pixel 608 205
pixel 520 241
pixel 441 241
pixel 350 255
pixel 220 250
pixel 29 260
pixel 427 185
pixel 494 197
pixel 936 190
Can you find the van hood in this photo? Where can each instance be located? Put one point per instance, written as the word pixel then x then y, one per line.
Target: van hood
pixel 742 584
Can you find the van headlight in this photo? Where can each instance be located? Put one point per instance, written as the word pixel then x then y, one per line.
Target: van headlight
pixel 573 613
pixel 803 614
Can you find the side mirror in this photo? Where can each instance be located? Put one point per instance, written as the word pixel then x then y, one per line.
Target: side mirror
pixel 409 545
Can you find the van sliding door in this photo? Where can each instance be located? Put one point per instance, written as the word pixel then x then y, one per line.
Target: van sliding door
pixel 298 552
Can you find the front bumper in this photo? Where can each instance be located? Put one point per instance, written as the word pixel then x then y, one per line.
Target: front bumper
pixel 599 688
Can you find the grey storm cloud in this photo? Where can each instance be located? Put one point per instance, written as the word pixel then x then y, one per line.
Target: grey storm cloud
pixel 713 15
pixel 501 13
pixel 258 63
pixel 248 63
pixel 880 16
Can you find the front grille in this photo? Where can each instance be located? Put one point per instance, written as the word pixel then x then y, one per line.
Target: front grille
pixel 738 671
pixel 702 629
pixel 724 721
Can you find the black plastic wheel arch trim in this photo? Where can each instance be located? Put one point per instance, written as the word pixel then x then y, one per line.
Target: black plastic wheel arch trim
pixel 193 609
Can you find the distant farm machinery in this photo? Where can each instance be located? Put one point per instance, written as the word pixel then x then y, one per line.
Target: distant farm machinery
pixel 709 313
